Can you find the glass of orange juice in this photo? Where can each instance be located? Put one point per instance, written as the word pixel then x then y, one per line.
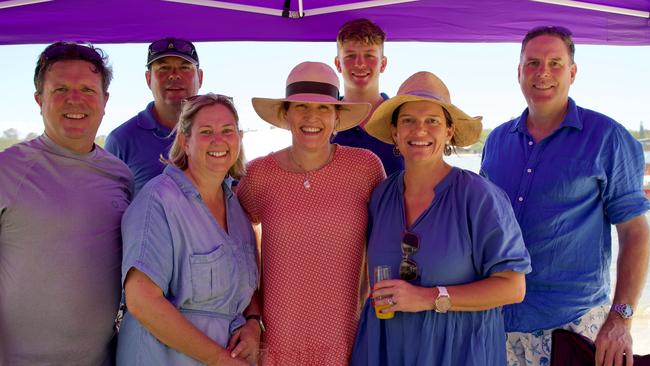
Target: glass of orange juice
pixel 382 273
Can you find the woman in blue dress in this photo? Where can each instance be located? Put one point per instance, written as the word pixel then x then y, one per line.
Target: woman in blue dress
pixel 189 266
pixel 449 235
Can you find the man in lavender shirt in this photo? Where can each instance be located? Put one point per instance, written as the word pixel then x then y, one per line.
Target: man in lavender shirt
pixel 61 202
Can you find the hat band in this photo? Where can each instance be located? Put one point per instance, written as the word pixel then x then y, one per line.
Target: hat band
pixel 312 87
pixel 424 94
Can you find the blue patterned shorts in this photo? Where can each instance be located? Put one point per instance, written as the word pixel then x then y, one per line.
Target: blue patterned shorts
pixel 534 349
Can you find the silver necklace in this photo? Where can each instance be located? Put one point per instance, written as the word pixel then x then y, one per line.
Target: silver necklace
pixel 306 183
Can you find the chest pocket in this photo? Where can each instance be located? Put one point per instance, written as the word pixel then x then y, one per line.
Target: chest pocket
pixel 212 274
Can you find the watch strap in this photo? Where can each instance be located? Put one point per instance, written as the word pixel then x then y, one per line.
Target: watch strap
pixel 624 310
pixel 257 318
pixel 442 291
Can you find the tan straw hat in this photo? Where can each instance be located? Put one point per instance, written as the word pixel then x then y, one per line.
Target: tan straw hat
pixel 424 86
pixel 312 82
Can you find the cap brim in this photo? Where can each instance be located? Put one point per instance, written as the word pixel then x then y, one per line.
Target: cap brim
pixel 467 130
pixel 173 53
pixel 350 114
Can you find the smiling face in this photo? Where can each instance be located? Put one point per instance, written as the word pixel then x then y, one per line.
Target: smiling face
pixel 360 64
pixel 311 124
pixel 545 74
pixel 72 104
pixel 172 79
pixel 421 132
pixel 214 142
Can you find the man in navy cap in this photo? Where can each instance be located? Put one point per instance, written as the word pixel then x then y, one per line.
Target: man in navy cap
pixel 173 74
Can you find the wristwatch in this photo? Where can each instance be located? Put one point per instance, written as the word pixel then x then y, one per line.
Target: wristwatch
pixel 624 310
pixel 258 318
pixel 443 301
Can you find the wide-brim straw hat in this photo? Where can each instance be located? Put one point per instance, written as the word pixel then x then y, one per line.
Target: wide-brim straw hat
pixel 311 82
pixel 425 86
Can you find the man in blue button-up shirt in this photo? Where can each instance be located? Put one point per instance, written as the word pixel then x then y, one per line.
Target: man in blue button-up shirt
pixel 173 74
pixel 570 173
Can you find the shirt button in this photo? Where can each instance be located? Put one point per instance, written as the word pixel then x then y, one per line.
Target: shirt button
pixel 520 199
pixel 529 170
pixel 530 143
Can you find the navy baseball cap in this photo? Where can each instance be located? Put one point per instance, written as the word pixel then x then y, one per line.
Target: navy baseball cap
pixel 172 47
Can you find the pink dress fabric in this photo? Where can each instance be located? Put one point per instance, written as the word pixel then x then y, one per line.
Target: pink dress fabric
pixel 313 254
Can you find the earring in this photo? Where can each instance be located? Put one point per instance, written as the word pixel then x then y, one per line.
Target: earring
pixel 396 151
pixel 333 137
pixel 447 150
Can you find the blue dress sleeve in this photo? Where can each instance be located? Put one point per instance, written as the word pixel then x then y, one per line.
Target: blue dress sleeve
pixel 497 242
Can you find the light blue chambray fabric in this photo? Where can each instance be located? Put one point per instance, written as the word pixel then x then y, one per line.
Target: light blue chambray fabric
pixel 207 274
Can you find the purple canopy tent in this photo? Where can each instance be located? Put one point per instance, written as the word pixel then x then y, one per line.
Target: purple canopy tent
pixel 614 22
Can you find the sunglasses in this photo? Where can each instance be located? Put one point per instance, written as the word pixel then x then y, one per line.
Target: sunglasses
pixel 408 268
pixel 165 45
pixel 219 98
pixel 65 49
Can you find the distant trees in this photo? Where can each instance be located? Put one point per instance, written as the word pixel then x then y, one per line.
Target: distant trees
pixel 11 136
pixel 8 138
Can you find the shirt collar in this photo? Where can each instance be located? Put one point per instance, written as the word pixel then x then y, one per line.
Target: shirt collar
pixel 572 119
pixel 147 120
pixel 64 151
pixel 188 188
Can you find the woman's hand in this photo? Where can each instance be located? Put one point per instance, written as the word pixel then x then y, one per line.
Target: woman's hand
pixel 403 296
pixel 245 342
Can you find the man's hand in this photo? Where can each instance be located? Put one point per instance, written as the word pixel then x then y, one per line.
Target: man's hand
pixel 614 342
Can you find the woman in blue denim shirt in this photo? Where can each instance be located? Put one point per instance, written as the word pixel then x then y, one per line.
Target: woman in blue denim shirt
pixel 190 268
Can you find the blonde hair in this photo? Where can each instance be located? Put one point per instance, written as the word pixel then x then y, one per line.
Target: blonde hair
pixel 361 30
pixel 190 107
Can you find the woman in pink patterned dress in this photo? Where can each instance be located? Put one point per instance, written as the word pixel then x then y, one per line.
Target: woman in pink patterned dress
pixel 311 199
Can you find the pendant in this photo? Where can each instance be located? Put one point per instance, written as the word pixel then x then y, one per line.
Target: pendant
pixel 306 184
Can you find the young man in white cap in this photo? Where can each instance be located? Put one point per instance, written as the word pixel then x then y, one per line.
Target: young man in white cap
pixel 570 174
pixel 173 74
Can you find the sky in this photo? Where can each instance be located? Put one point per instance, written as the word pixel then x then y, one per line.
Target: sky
pixel 481 77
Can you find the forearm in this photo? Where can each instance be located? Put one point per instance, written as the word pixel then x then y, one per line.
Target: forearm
pixel 254 307
pixel 501 288
pixel 632 263
pixel 166 323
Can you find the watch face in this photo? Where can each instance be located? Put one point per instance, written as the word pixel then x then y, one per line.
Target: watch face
pixel 626 311
pixel 443 304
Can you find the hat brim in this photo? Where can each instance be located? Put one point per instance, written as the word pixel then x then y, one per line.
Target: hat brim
pixel 350 114
pixel 172 53
pixel 467 130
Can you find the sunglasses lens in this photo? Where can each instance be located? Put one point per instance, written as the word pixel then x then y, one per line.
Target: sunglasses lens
pixel 164 45
pixel 411 240
pixel 183 46
pixel 410 243
pixel 60 50
pixel 408 270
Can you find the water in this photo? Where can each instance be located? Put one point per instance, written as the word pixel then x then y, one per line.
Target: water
pixel 473 163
